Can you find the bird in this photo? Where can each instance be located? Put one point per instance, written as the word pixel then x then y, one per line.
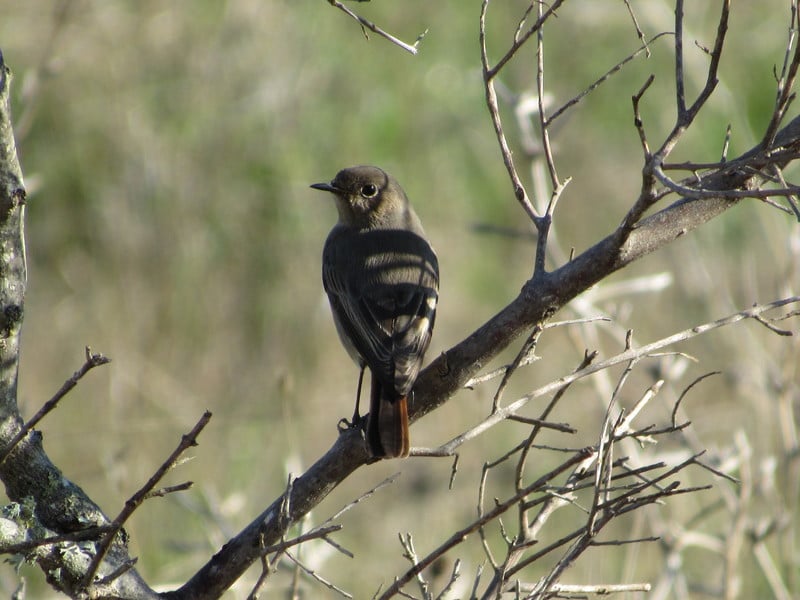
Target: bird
pixel 381 276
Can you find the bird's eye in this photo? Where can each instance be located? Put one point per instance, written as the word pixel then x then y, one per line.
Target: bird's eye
pixel 369 190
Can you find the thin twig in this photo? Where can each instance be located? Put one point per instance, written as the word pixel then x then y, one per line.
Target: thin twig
pixel 784 94
pixel 510 409
pixel 519 40
pixel 564 590
pixel 725 145
pixel 686 116
pixel 454 575
pixel 605 76
pixel 187 441
pixel 500 371
pixel 92 361
pixel 790 198
pixel 462 534
pixel 699 193
pixel 317 533
pixel 388 481
pixel 410 553
pixel 411 48
pixel 118 572
pixel 680 91
pixel 639 32
pixel 528 347
pixel 494 113
pixel 686 391
pixel 316 576
pixel 543 119
pixel 170 489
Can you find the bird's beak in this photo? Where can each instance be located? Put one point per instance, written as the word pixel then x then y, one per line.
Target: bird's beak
pixel 325 187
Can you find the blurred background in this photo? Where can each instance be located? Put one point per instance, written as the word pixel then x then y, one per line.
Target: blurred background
pixel 168 148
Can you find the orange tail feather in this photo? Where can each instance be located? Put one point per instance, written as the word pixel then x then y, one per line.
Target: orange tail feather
pixel 387 428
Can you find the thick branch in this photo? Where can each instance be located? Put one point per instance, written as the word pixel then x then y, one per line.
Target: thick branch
pixel 29 476
pixel 539 299
pixel 227 565
pixel 446 375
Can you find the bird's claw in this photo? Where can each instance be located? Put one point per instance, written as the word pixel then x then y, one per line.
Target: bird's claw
pixel 358 422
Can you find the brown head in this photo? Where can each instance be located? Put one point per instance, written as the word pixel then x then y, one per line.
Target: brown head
pixel 369 198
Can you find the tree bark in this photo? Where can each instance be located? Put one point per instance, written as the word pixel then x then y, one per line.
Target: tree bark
pixel 48 502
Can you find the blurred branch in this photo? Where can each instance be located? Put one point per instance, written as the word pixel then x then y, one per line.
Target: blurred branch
pixel 616 489
pixel 365 24
pixel 32 86
pixel 564 590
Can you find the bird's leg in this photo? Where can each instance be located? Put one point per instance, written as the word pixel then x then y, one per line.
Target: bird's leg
pixel 358 421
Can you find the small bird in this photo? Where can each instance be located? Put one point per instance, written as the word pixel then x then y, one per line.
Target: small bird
pixel 382 280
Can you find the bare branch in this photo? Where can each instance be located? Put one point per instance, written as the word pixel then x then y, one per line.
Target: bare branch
pixel 494 113
pixel 519 40
pixel 187 441
pixel 411 554
pixel 784 94
pixel 92 361
pixel 639 32
pixel 686 391
pixel 365 24
pixel 645 47
pixel 454 575
pixel 626 356
pixel 316 576
pixel 527 349
pixel 530 358
pixel 388 481
pixel 580 591
pixel 680 91
pixel 461 535
pixel 686 116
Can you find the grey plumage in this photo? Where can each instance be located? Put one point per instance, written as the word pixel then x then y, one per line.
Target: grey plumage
pixel 382 277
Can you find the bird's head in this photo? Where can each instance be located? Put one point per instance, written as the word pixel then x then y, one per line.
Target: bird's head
pixel 369 198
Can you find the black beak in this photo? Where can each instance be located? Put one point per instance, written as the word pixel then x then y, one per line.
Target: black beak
pixel 325 187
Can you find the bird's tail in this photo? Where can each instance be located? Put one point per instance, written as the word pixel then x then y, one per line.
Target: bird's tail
pixel 387 428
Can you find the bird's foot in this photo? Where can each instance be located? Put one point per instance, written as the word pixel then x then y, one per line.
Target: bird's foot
pixel 358 422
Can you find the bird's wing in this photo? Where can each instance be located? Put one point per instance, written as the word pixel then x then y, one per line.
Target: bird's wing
pixel 388 309
pixel 404 315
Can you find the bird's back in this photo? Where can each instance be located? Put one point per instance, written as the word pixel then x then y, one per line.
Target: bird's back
pixel 383 286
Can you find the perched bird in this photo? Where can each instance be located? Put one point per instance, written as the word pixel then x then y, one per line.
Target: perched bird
pixel 382 280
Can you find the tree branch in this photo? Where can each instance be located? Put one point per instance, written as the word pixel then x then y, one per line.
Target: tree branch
pixel 62 507
pixel 447 374
pixel 28 474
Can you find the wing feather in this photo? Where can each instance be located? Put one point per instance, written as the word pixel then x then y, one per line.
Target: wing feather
pixel 383 288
